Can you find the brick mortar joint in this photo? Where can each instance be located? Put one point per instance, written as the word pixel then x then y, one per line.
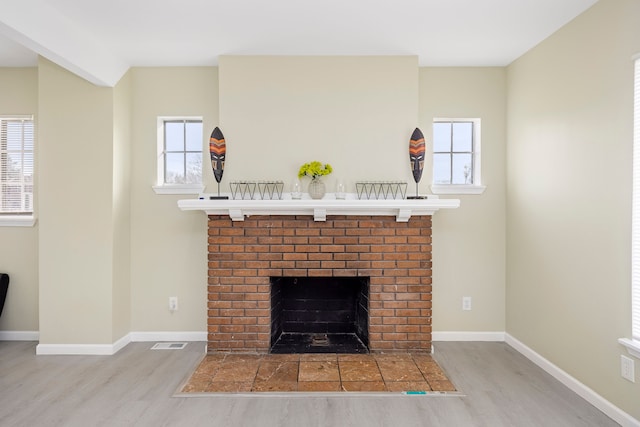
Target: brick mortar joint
pixel 345 237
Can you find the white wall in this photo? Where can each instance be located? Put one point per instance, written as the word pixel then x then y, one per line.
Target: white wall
pixel 19 245
pixel 569 151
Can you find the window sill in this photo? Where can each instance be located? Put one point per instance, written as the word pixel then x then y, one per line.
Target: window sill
pixel 633 346
pixel 178 189
pixel 17 220
pixel 458 189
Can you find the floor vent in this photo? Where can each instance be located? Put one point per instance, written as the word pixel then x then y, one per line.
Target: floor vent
pixel 169 346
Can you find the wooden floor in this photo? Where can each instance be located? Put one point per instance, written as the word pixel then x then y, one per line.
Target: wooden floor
pixel 135 388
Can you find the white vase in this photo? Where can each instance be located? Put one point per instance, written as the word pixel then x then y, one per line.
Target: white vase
pixel 317 188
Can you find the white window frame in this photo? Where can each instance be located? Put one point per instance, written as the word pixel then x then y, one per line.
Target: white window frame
pixel 633 344
pixel 21 219
pixel 161 187
pixel 476 187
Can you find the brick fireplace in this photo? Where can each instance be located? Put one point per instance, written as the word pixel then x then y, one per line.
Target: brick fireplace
pixel 245 255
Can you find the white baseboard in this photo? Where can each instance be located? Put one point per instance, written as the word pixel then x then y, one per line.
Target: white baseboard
pixel 83 349
pixel 121 343
pixel 110 349
pixel 168 336
pixel 468 336
pixel 76 349
pixel 19 335
pixel 612 411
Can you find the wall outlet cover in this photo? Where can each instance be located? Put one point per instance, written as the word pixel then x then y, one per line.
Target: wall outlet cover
pixel 627 369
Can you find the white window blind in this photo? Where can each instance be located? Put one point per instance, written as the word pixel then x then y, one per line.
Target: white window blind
pixel 16 165
pixel 635 231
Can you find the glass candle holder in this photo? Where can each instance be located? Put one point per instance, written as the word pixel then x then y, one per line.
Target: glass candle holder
pixel 296 190
pixel 340 192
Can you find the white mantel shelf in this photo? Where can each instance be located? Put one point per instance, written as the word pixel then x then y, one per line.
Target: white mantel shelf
pixel 320 209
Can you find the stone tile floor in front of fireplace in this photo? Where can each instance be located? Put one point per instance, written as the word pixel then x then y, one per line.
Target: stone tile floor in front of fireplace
pixel 240 373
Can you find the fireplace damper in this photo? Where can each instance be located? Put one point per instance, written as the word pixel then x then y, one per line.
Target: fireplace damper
pixel 319 315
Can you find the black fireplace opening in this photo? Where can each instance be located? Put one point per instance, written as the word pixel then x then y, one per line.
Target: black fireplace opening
pixel 319 315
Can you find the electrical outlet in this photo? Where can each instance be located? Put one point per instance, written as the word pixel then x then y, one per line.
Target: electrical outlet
pixel 627 368
pixel 466 303
pixel 173 303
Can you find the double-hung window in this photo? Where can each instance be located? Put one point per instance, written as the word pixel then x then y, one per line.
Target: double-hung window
pixel 180 153
pixel 456 156
pixel 16 170
pixel 633 344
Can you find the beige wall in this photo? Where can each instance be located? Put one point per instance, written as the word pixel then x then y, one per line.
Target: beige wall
pixel 355 113
pixel 158 227
pixel 569 185
pixel 75 213
pixel 168 246
pixel 19 245
pixel 469 242
pixel 121 205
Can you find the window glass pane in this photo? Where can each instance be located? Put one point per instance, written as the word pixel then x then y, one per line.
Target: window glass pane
pixel 194 168
pixel 181 151
pixel 441 137
pixel 463 136
pixel 635 227
pixel 14 136
pixel 16 165
pixel 194 136
pixel 28 201
pixel 11 198
pixel 462 172
pixel 442 169
pixel 27 169
pixel 174 168
pixel 174 136
pixel 28 136
pixel 13 171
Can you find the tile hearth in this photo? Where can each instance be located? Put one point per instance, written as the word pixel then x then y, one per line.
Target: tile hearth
pixel 241 373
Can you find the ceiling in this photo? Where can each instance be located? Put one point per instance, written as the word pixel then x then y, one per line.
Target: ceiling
pixel 100 39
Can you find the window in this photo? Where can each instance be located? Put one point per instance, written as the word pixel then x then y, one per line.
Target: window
pixel 180 142
pixel 16 169
pixel 456 156
pixel 633 345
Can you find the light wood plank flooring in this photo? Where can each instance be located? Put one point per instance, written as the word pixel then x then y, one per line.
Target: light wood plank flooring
pixel 135 388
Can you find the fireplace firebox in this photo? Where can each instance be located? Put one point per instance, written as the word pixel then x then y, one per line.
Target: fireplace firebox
pixel 319 315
